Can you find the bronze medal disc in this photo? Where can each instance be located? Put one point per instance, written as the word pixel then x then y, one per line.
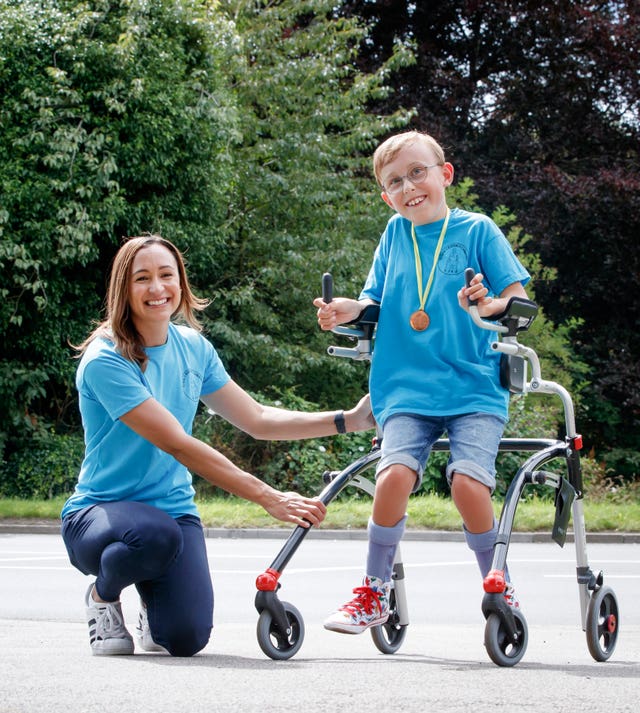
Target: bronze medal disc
pixel 419 320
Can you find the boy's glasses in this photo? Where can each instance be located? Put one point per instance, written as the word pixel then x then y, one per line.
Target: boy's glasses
pixel 418 174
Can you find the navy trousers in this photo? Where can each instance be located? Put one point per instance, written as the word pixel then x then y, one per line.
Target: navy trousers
pixel 124 543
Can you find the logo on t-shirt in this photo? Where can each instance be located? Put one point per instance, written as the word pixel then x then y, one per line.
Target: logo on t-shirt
pixel 453 259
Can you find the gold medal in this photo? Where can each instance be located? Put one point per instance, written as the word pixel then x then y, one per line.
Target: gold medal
pixel 419 320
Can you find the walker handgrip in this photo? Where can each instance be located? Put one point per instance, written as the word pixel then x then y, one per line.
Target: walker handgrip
pixel 469 274
pixel 327 287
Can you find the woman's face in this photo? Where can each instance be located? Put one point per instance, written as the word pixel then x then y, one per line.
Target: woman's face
pixel 154 286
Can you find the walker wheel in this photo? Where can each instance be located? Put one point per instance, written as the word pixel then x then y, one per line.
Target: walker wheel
pixel 388 637
pixel 275 643
pixel 502 651
pixel 603 624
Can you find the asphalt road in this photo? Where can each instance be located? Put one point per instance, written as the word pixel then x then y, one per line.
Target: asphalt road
pixel 46 665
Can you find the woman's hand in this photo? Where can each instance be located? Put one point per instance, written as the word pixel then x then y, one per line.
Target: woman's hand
pixel 295 508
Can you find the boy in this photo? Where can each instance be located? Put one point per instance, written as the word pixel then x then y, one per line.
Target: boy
pixel 432 369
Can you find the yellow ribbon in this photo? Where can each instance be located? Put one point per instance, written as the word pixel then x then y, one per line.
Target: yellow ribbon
pixel 423 294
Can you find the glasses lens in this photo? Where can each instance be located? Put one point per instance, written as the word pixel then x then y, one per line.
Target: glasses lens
pixel 395 185
pixel 416 175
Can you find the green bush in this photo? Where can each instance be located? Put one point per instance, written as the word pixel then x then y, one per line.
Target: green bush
pixel 242 132
pixel 46 468
pixel 622 463
pixel 604 482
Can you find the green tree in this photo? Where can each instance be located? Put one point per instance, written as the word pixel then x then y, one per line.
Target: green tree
pixel 115 120
pixel 302 200
pixel 540 104
pixel 241 130
pixel 231 128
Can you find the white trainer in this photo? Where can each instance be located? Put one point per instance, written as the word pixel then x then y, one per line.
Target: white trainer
pixel 143 632
pixel 108 635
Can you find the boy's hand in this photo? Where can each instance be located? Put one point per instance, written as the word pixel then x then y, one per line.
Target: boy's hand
pixel 340 310
pixel 477 293
pixel 488 306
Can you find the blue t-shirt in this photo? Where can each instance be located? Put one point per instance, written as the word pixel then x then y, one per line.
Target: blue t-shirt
pixel 119 464
pixel 448 369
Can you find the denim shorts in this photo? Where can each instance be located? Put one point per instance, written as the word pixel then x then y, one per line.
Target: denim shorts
pixel 474 438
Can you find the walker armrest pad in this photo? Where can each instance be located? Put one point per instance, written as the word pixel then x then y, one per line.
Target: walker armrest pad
pixel 369 315
pixel 519 312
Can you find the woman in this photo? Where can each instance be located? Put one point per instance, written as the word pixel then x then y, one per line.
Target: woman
pixel 132 518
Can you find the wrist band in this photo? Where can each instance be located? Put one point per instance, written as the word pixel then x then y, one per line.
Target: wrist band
pixel 338 419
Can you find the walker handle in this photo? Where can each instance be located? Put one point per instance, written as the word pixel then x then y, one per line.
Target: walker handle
pixel 469 274
pixel 473 308
pixel 327 287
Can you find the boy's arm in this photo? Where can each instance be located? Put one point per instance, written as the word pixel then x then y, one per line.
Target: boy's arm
pixel 488 306
pixel 499 304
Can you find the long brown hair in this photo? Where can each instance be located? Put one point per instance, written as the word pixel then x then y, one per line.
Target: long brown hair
pixel 118 325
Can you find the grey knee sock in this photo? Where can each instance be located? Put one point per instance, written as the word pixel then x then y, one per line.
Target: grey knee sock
pixel 383 542
pixel 481 544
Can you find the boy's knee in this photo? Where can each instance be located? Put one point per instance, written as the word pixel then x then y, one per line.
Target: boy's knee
pixel 467 483
pixel 470 475
pixel 396 475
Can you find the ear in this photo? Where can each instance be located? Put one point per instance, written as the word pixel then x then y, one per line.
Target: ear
pixel 447 172
pixel 386 199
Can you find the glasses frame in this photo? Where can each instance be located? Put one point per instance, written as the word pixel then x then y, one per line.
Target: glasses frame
pixel 400 185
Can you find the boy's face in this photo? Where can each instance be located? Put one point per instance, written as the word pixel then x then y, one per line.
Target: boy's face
pixel 421 202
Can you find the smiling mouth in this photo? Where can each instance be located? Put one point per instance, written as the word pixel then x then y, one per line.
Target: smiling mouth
pixel 157 303
pixel 415 201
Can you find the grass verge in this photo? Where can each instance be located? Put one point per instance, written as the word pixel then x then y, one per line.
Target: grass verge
pixel 429 512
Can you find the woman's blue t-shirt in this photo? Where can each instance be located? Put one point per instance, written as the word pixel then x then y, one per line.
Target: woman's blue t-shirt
pixel 119 464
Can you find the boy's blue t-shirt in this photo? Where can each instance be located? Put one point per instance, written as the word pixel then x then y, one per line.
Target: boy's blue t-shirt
pixel 119 464
pixel 448 369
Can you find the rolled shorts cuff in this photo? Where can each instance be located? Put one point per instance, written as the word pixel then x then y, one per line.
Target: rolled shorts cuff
pixel 472 470
pixel 402 459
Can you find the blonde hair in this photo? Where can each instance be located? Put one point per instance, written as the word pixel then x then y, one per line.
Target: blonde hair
pixel 391 147
pixel 118 326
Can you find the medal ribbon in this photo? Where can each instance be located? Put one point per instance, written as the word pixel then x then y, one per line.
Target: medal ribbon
pixel 423 294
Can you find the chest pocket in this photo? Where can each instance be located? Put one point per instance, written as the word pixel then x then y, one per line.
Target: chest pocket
pixel 192 384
